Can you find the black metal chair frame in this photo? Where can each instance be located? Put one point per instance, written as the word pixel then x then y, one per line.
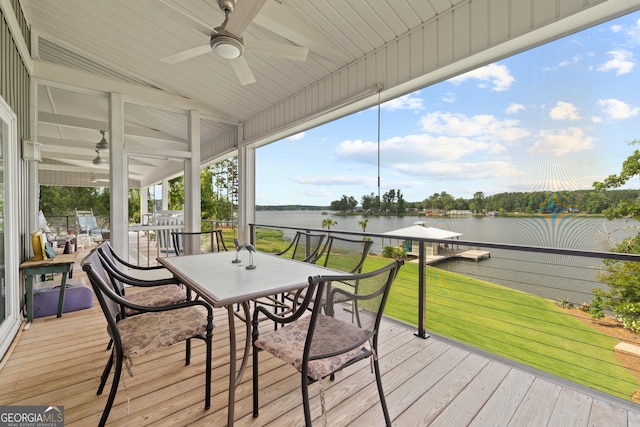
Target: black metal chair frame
pixel 329 244
pixel 107 296
pixel 311 252
pixel 118 281
pixel 318 286
pixel 107 250
pixel 179 244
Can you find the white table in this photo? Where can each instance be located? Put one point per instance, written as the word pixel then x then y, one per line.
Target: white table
pixel 223 283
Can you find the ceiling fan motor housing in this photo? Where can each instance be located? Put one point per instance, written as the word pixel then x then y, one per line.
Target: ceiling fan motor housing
pixel 226 45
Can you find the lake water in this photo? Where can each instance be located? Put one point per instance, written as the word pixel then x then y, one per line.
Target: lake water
pixel 567 232
pixel 546 275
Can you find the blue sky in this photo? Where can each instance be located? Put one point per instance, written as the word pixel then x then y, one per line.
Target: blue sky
pixel 557 117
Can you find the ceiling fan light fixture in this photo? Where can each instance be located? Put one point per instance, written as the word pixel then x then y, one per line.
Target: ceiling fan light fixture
pixel 103 144
pixel 97 160
pixel 227 46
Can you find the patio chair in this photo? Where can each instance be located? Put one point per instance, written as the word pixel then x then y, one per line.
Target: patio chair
pixel 343 254
pixel 321 344
pixel 303 247
pixel 152 329
pixel 150 272
pixel 88 226
pixel 157 293
pixel 338 253
pixel 195 242
pixel 57 239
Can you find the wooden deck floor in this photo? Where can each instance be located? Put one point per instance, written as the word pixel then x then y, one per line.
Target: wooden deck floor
pixel 427 382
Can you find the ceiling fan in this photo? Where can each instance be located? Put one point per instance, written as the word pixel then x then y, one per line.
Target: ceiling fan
pixel 93 179
pixel 98 159
pixel 101 145
pixel 226 40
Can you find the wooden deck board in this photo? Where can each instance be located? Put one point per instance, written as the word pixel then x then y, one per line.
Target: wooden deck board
pixel 426 382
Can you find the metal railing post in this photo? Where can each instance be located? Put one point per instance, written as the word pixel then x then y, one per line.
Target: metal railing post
pixel 422 292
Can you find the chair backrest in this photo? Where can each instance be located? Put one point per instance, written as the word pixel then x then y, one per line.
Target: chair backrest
pixel 197 242
pixel 107 258
pixel 104 292
pixel 343 254
pixel 174 219
pixel 86 221
pixel 303 247
pixel 357 301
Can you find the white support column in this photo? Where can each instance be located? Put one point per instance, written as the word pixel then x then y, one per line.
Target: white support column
pixel 164 203
pixel 192 211
pixel 246 187
pixel 144 205
pixel 119 172
pixel 33 190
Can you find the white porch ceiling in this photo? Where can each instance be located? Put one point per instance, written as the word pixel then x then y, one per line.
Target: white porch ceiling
pixel 84 49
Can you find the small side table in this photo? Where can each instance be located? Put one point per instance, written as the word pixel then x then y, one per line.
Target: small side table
pixel 62 263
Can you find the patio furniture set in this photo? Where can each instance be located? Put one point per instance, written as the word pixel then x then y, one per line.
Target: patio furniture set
pixel 333 324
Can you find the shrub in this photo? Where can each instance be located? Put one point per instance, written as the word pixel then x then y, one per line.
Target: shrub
pixel 565 303
pixel 629 315
pixel 596 309
pixel 394 252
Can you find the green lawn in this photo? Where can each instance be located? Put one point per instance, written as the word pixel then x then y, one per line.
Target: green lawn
pixel 503 321
pixel 510 323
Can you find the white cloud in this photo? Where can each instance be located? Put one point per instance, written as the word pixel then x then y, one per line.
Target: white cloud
pixel 484 126
pixel 514 108
pixel 621 62
pixel 296 137
pixel 574 60
pixel 332 180
pixel 618 110
pixel 634 33
pixel 406 102
pixel 565 141
pixel 448 98
pixel 460 170
pixel 498 75
pixel 564 111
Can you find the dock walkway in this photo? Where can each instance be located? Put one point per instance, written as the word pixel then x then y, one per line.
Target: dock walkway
pixel 471 254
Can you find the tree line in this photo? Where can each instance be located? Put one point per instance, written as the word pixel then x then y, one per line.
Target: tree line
pixel 587 201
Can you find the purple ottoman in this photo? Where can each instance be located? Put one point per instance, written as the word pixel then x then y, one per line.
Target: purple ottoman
pixel 77 296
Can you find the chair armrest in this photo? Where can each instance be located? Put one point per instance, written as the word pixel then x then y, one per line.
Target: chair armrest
pixel 136 267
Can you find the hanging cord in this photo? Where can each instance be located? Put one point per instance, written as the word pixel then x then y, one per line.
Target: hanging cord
pixel 379 90
pixel 323 404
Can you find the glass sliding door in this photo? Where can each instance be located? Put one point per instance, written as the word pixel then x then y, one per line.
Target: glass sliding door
pixel 9 277
pixel 4 130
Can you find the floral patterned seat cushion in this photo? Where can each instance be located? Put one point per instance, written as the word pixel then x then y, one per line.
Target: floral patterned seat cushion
pixel 330 335
pixel 146 332
pixel 157 296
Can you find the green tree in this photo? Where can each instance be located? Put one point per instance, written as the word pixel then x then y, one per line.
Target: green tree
pixel 478 202
pixel 371 202
pixel 401 204
pixel 622 277
pixel 328 223
pixel 363 224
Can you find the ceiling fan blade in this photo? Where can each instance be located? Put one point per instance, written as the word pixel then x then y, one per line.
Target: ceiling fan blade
pixel 189 20
pixel 294 53
pixel 187 54
pixel 242 70
pixel 243 14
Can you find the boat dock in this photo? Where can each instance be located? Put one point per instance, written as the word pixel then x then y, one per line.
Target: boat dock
pixel 472 254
